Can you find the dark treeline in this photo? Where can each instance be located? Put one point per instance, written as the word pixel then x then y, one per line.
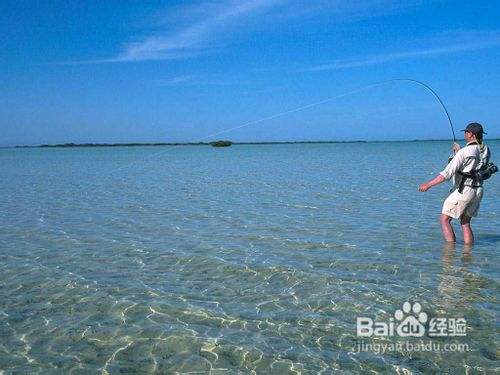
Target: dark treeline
pixel 64 145
pixel 123 144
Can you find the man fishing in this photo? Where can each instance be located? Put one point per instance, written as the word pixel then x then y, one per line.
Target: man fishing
pixel 465 198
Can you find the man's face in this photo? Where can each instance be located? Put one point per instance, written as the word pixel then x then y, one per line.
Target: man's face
pixel 469 136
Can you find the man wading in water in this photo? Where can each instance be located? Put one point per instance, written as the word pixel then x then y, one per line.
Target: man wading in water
pixel 463 202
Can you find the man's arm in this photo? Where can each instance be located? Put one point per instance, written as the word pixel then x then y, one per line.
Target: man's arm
pixel 435 181
pixel 452 168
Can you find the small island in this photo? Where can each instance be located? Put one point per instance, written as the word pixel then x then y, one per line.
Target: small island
pixel 221 143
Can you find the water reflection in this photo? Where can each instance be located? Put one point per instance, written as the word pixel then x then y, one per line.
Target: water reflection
pixel 464 293
pixel 458 287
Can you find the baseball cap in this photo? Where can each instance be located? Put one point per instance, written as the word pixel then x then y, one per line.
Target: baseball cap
pixel 475 128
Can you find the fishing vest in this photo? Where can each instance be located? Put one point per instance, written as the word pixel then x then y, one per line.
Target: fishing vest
pixel 483 170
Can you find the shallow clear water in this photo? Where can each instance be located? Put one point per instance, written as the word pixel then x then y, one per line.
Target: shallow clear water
pixel 251 258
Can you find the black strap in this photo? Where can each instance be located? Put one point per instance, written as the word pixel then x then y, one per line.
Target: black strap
pixel 465 176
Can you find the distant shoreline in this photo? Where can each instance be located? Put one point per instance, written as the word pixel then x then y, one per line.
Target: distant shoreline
pixel 156 144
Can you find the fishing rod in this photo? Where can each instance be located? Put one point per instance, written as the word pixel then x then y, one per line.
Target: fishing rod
pixel 315 104
pixel 363 88
pixel 435 95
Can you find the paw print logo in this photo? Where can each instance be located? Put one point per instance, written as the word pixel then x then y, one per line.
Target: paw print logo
pixel 412 320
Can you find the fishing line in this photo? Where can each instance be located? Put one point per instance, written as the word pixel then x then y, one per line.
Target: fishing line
pixel 340 96
pixel 311 105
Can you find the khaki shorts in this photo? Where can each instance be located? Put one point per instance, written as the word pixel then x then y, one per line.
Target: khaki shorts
pixel 466 202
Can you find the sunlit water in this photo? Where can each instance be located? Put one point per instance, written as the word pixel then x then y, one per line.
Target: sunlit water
pixel 242 259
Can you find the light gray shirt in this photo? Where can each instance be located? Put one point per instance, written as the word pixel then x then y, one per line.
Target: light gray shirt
pixel 465 160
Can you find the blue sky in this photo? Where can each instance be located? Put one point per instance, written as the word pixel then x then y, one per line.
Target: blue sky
pixel 131 71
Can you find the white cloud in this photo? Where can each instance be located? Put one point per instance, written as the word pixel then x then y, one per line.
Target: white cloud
pixel 196 36
pixel 341 10
pixel 460 42
pixel 191 30
pixel 198 80
pixel 172 81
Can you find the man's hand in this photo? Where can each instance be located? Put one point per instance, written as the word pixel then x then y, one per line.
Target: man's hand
pixel 455 147
pixel 424 187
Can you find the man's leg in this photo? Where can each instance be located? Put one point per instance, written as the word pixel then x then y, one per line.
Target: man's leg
pixel 466 229
pixel 448 234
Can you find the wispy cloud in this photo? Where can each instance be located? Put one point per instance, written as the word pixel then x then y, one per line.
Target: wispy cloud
pixel 195 37
pixel 192 30
pixel 462 42
pixel 174 81
pixel 199 80
pixel 342 10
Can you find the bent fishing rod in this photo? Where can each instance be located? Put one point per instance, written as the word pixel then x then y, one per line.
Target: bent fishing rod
pixel 363 88
pixel 311 105
pixel 435 95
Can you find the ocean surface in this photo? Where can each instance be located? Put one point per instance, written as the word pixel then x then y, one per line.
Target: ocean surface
pixel 248 259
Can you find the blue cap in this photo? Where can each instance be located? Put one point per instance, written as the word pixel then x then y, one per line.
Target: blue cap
pixel 475 128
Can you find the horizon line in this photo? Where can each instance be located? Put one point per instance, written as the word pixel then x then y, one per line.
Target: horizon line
pixel 200 143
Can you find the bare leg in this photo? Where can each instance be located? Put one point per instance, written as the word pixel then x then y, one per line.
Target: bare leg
pixel 448 254
pixel 467 230
pixel 448 234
